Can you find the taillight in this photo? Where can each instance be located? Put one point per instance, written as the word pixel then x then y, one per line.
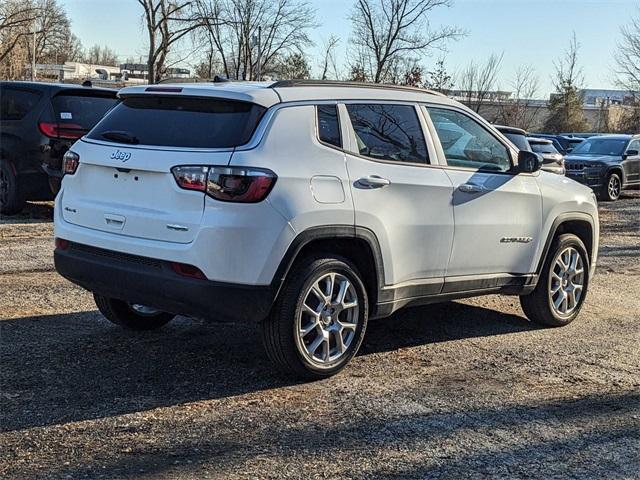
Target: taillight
pixel 228 184
pixel 61 243
pixel 70 162
pixel 191 178
pixel 68 131
pixel 237 184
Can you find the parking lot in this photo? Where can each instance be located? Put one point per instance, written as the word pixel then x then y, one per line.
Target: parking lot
pixel 464 389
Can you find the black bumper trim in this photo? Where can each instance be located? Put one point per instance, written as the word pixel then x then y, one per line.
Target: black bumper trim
pixel 152 282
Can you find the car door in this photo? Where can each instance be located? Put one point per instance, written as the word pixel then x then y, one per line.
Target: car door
pixel 633 162
pixel 497 212
pixel 400 193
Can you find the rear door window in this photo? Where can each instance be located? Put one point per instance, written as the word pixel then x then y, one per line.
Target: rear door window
pixel 16 104
pixel 180 121
pixel 388 132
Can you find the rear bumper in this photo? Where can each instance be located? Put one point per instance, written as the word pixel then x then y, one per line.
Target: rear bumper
pixel 153 283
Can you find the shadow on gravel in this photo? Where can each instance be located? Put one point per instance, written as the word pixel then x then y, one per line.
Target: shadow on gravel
pixel 549 439
pixel 33 212
pixel 63 368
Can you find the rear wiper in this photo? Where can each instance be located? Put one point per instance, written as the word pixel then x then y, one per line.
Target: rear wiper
pixel 120 136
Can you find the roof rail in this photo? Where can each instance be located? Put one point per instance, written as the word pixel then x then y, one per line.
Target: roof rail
pixel 338 83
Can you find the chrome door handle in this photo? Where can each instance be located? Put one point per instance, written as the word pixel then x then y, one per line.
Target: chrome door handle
pixel 373 181
pixel 471 188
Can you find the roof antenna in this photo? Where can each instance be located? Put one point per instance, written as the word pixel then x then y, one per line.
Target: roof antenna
pixel 87 83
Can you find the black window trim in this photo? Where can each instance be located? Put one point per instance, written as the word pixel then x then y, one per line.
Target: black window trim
pixel 340 148
pixel 425 133
pixel 446 166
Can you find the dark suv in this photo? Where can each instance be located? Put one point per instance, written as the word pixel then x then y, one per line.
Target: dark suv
pixel 38 124
pixel 607 163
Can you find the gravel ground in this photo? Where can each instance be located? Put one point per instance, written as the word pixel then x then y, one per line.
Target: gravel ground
pixel 465 389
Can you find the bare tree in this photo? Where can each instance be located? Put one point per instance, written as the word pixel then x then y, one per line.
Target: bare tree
pixel 565 106
pixel 167 22
pixel 439 79
pixel 627 60
pixel 16 22
pixel 329 64
pixel 101 56
pixel 477 81
pixel 386 31
pixel 235 27
pixel 522 109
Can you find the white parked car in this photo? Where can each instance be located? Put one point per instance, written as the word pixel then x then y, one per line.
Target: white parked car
pixel 312 207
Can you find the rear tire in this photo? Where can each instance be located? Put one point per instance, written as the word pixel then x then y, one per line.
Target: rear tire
pixel 125 315
pixel 612 189
pixel 11 197
pixel 325 298
pixel 560 293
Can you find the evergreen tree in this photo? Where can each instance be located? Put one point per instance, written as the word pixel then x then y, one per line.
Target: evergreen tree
pixel 565 106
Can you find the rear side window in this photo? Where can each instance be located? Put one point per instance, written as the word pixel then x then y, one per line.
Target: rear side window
pixel 519 141
pixel 180 122
pixel 16 104
pixel 388 132
pixel 543 148
pixel 81 111
pixel 329 125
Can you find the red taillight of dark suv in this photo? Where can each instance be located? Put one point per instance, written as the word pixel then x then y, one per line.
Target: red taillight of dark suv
pixel 228 184
pixel 67 131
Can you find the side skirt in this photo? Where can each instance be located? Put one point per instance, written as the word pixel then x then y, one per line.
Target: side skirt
pixel 430 291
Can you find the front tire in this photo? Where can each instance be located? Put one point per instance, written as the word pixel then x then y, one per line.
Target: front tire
pixel 319 319
pixel 612 188
pixel 11 196
pixel 562 286
pixel 132 317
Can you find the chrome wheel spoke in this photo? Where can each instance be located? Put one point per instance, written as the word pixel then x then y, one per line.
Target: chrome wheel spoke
pixel 566 279
pixel 328 318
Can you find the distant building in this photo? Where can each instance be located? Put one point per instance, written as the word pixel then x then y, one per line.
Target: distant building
pixel 603 98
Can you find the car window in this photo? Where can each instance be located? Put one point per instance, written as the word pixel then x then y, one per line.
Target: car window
pixel 543 147
pixel 634 145
pixel 329 125
pixel 601 146
pixel 518 140
pixel 180 121
pixel 79 110
pixel 15 104
pixel 468 144
pixel 388 132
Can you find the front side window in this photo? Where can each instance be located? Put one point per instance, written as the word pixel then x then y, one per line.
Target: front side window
pixel 329 125
pixel 466 143
pixel 388 132
pixel 634 145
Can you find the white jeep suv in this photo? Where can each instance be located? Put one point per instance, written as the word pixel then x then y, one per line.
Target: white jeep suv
pixel 311 207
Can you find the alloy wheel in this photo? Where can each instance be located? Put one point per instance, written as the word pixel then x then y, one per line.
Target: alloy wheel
pixel 566 281
pixel 613 187
pixel 327 323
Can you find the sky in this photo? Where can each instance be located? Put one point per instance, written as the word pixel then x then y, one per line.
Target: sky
pixel 527 32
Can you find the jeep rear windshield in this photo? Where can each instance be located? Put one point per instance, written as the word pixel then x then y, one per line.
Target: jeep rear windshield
pixel 81 110
pixel 191 122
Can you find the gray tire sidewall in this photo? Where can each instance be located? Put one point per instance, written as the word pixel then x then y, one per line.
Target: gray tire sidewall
pixel 343 268
pixel 12 187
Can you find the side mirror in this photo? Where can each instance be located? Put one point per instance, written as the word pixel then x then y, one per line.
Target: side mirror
pixel 529 162
pixel 631 153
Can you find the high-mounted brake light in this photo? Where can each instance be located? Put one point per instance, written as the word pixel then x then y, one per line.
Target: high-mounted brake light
pixel 163 89
pixel 70 162
pixel 228 184
pixel 67 131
